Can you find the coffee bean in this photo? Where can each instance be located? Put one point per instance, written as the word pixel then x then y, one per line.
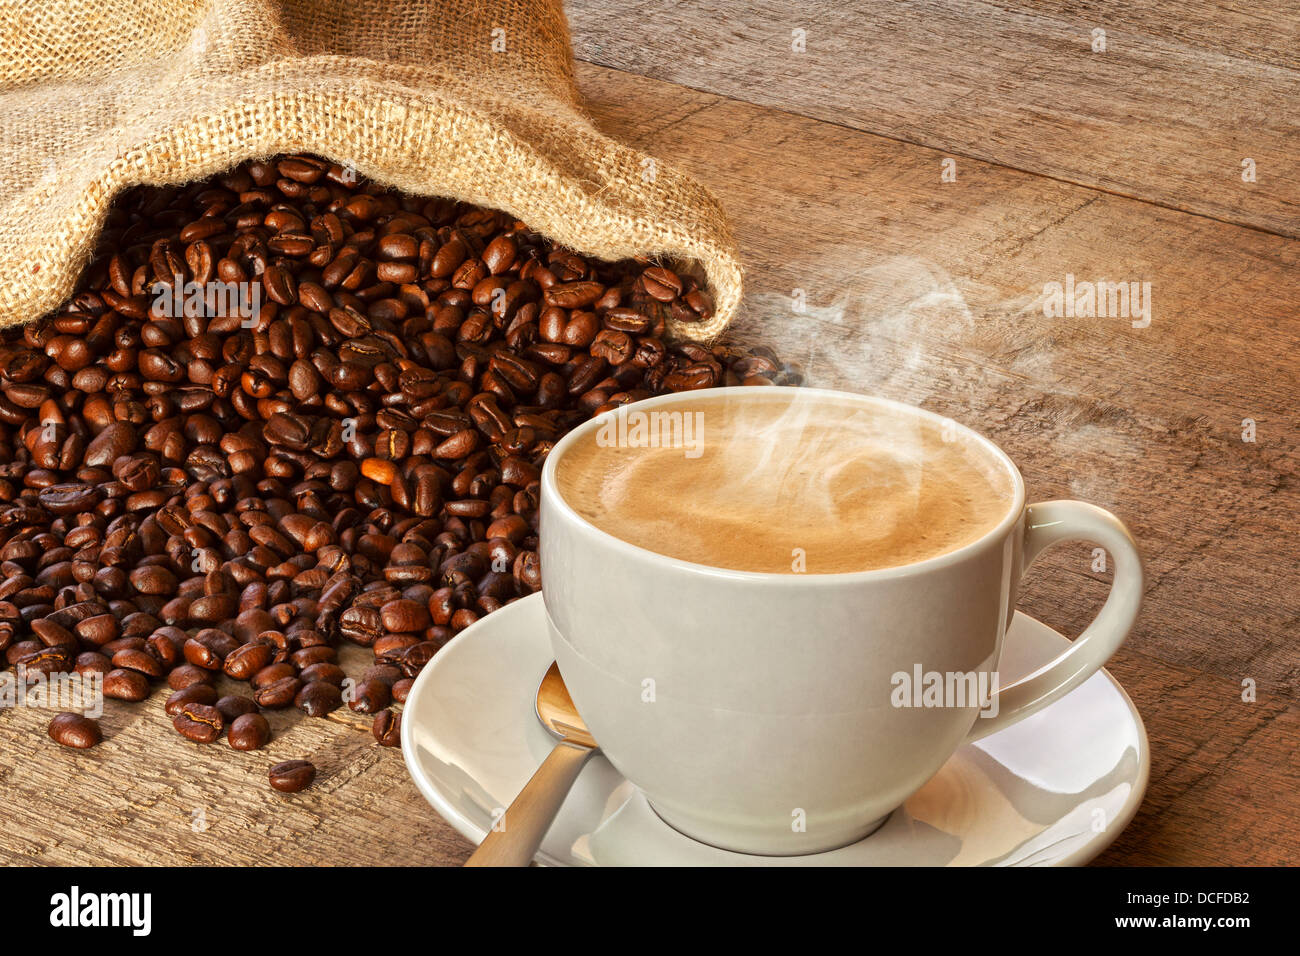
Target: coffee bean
pixel 74 730
pixel 194 694
pixel 307 656
pixel 140 661
pixel 52 634
pixel 326 671
pixel 417 656
pixel 201 723
pixel 404 615
pixel 122 684
pixel 233 706
pixel 387 728
pixel 45 660
pixel 249 732
pixel 153 580
pixel 92 662
pixel 99 629
pixel 661 283
pixel 243 662
pixel 213 608
pixel 271 673
pixel 209 648
pixel 573 295
pixel 278 694
pixel 402 688
pixel 370 696
pixel 187 675
pixel 318 698
pixel 115 441
pixel 385 673
pixel 67 499
pixel 392 647
pixel 361 625
pixel 292 776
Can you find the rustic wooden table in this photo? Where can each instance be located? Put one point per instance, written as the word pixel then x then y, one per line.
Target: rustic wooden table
pixel 922 172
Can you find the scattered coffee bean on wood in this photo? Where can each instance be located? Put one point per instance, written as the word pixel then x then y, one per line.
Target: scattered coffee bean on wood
pixel 74 730
pixel 292 776
pixel 287 408
pixel 201 723
pixel 234 706
pixel 387 728
pixel 249 732
pixel 194 694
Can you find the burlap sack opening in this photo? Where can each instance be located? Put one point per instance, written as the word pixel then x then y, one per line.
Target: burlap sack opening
pixel 473 101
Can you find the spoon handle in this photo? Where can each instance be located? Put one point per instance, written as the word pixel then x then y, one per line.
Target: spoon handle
pixel 517 835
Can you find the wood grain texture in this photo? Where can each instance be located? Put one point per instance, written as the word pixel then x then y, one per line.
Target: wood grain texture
pixel 1182 94
pixel 927 292
pixel 146 795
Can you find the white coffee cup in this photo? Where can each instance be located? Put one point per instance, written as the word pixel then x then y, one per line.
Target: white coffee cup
pixel 754 710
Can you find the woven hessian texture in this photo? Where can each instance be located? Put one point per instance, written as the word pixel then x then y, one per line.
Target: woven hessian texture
pixel 474 101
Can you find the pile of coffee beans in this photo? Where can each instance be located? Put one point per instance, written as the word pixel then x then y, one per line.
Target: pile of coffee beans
pixel 290 408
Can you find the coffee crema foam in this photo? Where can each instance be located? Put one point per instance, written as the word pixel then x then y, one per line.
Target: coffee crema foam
pixel 785 484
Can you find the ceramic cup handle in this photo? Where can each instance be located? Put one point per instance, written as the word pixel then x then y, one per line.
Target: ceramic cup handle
pixel 1046 524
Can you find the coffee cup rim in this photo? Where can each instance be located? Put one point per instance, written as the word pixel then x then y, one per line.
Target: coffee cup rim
pixel 551 492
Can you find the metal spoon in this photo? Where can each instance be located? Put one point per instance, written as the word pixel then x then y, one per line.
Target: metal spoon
pixel 514 840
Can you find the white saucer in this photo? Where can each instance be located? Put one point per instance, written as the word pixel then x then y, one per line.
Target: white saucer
pixel 1054 789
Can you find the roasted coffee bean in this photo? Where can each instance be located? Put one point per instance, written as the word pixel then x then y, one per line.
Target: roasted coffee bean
pixel 154 579
pixel 279 694
pixel 52 634
pixel 308 656
pixel 76 731
pixel 249 732
pixel 194 694
pixel 201 723
pixel 370 696
pixel 361 625
pixel 403 615
pixel 386 673
pixel 92 662
pixel 243 662
pixel 137 660
pixel 392 647
pixel 235 705
pixel 122 684
pixel 46 660
pixel 661 283
pixel 292 776
pixel 401 688
pixel 326 671
pixel 209 648
pixel 318 698
pixel 418 655
pixel 387 728
pixel 187 675
pixel 164 647
pixel 98 630
pixel 271 673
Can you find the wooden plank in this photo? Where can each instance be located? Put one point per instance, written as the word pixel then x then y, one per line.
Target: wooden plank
pixel 146 795
pixel 1181 96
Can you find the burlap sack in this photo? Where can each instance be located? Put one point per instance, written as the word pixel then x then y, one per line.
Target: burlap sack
pixel 456 98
